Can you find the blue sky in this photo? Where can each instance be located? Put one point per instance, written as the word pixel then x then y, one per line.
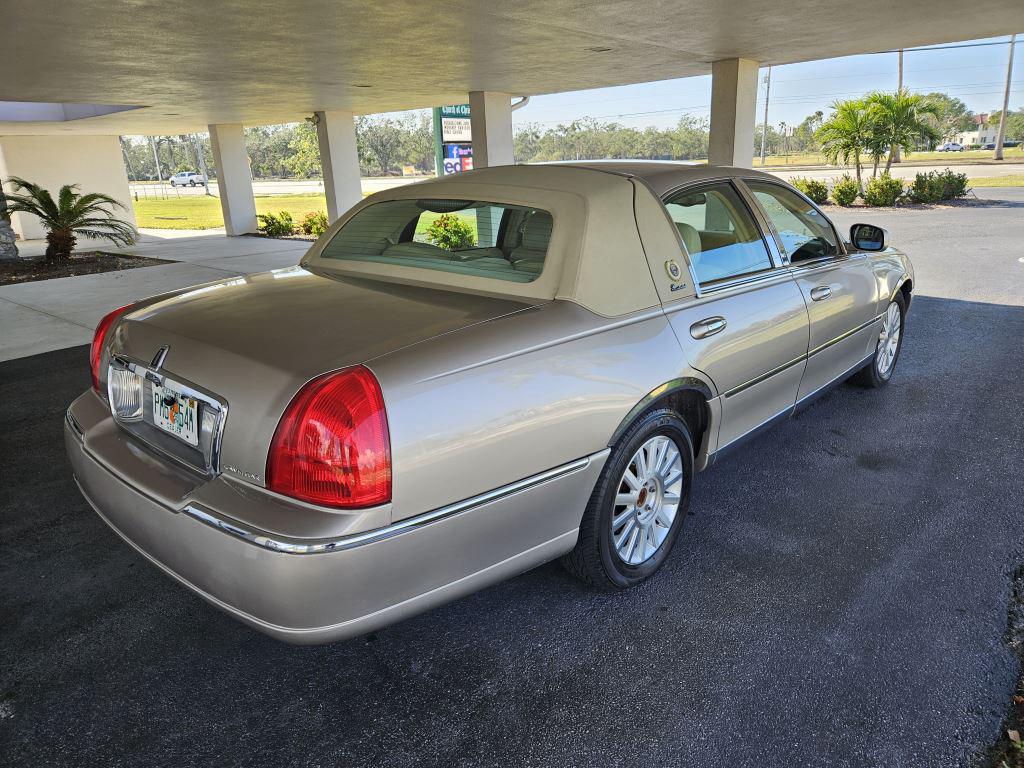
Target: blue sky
pixel 976 75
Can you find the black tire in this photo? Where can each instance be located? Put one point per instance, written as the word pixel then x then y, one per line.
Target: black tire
pixel 192 183
pixel 869 376
pixel 594 559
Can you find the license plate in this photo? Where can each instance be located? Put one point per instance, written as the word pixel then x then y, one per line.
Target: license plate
pixel 176 413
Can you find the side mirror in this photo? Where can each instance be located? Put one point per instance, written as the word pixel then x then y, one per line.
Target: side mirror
pixel 868 237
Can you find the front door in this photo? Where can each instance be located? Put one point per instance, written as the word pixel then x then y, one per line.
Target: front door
pixel 747 330
pixel 839 288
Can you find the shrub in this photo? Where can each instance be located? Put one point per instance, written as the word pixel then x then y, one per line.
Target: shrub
pixel 845 191
pixel 314 223
pixel 279 225
pixel 924 189
pixel 934 186
pixel 954 185
pixel 451 232
pixel 814 189
pixel 883 191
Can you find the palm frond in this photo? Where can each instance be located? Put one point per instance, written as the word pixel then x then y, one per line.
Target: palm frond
pixel 89 215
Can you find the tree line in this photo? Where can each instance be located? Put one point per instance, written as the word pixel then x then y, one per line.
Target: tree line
pixel 854 130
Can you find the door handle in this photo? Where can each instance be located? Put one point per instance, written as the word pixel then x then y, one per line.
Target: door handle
pixel 821 293
pixel 709 326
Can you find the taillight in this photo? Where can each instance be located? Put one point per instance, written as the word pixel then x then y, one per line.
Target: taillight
pixel 99 339
pixel 332 446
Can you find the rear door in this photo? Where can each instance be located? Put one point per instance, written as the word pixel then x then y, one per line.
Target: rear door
pixel 839 288
pixel 746 329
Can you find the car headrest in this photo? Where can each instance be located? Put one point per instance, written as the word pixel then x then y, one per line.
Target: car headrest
pixel 536 231
pixel 691 238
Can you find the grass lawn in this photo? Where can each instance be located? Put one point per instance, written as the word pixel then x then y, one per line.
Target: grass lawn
pixel 949 158
pixel 1012 180
pixel 201 212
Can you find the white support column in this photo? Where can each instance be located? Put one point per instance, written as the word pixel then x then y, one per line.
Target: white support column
pixel 234 179
pixel 490 115
pixel 336 134
pixel 733 108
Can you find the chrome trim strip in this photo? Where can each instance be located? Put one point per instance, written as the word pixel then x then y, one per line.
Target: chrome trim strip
pixel 155 376
pixel 832 382
pixel 290 546
pixel 768 374
pixel 758 379
pixel 843 336
pixel 786 412
pixel 750 434
pixel 73 423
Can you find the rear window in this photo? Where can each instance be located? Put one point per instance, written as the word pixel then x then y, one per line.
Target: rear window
pixel 468 237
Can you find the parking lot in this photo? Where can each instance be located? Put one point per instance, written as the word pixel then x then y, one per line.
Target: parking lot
pixel 838 598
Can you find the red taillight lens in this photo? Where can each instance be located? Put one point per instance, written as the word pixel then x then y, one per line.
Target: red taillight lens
pixel 99 339
pixel 332 446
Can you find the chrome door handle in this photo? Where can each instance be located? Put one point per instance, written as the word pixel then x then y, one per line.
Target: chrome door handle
pixel 709 326
pixel 821 293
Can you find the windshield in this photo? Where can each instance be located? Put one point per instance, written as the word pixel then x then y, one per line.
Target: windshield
pixel 469 237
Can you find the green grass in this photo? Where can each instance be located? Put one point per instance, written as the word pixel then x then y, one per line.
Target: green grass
pixel 948 158
pixel 1012 180
pixel 203 212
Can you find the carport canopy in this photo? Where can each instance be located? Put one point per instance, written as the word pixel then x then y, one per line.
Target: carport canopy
pixel 106 69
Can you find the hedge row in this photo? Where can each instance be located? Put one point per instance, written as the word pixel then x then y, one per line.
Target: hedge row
pixel 884 190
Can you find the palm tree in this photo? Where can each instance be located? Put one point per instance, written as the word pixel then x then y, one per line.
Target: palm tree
pixel 70 216
pixel 846 133
pixel 901 119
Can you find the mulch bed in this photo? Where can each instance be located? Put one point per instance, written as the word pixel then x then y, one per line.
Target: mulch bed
pixel 88 263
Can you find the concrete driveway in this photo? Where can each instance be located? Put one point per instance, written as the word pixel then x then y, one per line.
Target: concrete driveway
pixel 839 597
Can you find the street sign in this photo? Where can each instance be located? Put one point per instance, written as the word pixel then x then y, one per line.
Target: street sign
pixel 453 139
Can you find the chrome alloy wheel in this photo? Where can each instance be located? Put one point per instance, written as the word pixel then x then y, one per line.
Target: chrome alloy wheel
pixel 889 340
pixel 647 500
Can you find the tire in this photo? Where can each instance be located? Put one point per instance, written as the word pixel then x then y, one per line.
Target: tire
pixel 173 185
pixel 879 370
pixel 596 559
pixel 191 183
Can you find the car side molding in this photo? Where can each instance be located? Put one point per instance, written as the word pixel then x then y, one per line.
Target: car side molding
pixel 291 546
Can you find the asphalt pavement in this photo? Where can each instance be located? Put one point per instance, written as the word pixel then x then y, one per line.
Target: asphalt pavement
pixel 838 598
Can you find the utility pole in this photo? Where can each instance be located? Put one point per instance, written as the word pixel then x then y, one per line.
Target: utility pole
pixel 764 127
pixel 201 158
pixel 899 90
pixel 159 176
pixel 1001 136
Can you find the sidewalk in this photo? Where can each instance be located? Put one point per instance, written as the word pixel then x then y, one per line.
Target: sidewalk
pixel 54 314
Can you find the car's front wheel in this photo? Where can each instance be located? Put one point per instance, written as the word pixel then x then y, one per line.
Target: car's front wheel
pixel 638 507
pixel 887 349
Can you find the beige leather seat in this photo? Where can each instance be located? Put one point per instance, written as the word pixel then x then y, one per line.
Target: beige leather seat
pixel 691 239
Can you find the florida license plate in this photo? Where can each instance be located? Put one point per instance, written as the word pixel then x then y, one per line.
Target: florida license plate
pixel 176 413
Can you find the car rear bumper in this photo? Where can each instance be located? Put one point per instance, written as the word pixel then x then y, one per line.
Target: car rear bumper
pixel 321 595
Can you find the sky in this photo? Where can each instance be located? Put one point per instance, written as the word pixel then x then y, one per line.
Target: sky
pixel 977 75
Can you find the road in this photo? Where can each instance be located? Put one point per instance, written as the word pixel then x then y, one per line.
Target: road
pixel 376 184
pixel 838 598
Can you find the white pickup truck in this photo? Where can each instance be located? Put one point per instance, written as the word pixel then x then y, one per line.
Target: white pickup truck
pixel 187 178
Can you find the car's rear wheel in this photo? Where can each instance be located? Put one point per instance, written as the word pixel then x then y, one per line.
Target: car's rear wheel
pixel 638 507
pixel 878 372
pixel 192 183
